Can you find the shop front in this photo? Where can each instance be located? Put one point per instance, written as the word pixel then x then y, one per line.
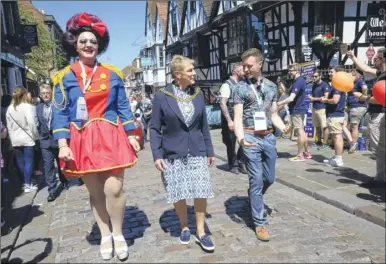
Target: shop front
pixel 12 71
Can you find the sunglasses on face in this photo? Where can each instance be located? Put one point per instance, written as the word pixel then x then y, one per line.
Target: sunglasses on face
pixel 92 41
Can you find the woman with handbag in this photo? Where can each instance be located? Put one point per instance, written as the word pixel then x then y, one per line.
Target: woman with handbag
pixel 23 133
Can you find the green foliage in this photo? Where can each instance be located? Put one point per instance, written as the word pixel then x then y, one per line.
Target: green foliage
pixel 128 70
pixel 325 40
pixel 41 57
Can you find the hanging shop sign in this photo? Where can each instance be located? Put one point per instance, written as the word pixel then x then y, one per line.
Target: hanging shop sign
pixel 376 25
pixel 30 34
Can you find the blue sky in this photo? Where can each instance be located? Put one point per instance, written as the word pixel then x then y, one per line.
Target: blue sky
pixel 125 21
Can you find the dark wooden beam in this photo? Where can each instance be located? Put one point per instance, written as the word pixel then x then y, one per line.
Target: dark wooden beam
pixel 297 8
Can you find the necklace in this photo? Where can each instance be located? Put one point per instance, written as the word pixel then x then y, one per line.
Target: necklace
pixel 188 108
pixel 181 99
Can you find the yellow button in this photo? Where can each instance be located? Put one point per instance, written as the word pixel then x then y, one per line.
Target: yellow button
pixel 103 76
pixel 88 88
pixel 103 87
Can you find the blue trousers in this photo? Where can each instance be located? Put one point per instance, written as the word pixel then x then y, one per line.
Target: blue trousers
pixel 260 164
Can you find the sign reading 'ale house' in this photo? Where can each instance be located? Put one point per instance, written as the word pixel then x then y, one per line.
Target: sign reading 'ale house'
pixel 376 25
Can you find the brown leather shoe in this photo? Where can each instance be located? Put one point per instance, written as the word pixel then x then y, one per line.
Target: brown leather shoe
pixel 262 233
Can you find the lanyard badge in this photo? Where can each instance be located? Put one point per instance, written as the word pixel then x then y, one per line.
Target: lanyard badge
pixel 81 107
pixel 259 117
pixel 86 83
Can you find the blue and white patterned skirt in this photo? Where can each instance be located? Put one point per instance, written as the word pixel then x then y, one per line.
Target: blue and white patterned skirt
pixel 187 178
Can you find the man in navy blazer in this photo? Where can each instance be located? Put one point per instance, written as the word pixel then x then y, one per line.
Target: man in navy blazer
pixel 49 148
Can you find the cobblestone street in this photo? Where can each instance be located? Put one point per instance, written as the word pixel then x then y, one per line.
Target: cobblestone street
pixel 303 229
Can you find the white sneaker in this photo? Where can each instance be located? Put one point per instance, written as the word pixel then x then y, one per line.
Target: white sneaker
pixel 33 187
pixel 334 162
pixel 328 160
pixel 27 188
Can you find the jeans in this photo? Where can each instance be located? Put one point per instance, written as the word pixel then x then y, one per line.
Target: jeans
pixel 25 161
pixel 260 164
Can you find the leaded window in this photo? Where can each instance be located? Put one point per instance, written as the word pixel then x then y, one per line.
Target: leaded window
pixel 192 6
pixel 325 17
pixel 236 35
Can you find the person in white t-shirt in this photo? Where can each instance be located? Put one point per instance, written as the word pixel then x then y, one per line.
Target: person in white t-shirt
pixel 235 161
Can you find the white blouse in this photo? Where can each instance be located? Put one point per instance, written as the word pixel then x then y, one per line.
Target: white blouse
pixel 21 125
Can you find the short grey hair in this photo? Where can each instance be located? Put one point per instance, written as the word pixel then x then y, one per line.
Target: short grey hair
pixel 236 65
pixel 45 86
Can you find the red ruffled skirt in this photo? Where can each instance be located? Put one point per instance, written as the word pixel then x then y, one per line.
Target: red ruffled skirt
pixel 98 147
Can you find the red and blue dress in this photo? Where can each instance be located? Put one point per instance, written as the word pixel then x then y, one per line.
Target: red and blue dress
pixel 98 143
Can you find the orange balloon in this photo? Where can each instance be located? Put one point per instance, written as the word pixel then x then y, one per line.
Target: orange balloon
pixel 343 81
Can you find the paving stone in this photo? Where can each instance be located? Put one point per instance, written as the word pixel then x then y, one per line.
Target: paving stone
pixel 178 247
pixel 212 258
pixel 302 227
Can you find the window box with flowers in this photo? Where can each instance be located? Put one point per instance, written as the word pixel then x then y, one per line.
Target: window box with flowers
pixel 324 47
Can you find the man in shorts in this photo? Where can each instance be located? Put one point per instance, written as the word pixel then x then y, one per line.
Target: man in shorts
pixel 335 104
pixel 298 110
pixel 356 109
pixel 320 89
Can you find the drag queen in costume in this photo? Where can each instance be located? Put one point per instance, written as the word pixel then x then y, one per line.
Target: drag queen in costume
pixel 94 127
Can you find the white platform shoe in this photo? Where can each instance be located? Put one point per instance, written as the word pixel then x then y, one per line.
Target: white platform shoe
pixel 123 251
pixel 106 253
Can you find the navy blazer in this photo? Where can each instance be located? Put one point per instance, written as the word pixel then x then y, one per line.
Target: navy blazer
pixel 170 137
pixel 45 132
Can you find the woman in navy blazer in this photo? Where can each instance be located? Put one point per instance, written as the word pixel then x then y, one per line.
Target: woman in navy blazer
pixel 182 147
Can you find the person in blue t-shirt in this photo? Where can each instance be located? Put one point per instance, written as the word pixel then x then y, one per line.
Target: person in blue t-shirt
pixel 356 109
pixel 298 110
pixel 320 89
pixel 335 104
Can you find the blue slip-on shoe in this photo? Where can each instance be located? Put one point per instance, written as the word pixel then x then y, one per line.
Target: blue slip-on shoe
pixel 185 237
pixel 205 242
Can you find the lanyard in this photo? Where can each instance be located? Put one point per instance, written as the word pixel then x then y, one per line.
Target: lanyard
pixel 259 100
pixel 86 82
